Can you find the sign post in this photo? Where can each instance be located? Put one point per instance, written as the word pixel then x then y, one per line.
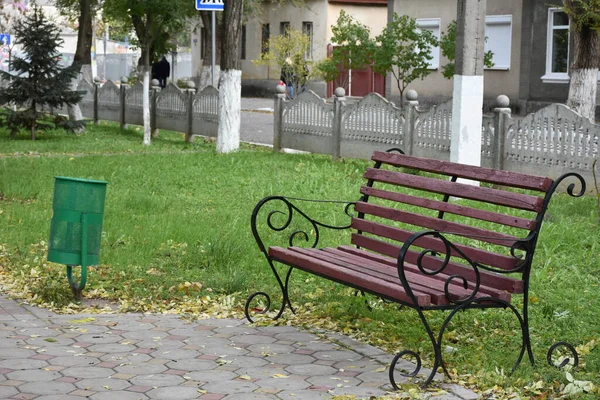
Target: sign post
pixel 211 5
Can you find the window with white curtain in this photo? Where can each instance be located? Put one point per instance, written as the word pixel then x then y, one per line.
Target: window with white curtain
pixel 498 33
pixel 432 25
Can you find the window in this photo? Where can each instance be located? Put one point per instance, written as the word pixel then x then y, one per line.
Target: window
pixel 307 29
pixel 557 47
pixel 498 37
pixel 284 27
pixel 432 25
pixel 243 45
pixel 264 40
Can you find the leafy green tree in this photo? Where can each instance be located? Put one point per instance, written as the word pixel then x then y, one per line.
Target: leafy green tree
pixel 155 22
pixel 287 51
pixel 448 47
pixel 352 49
pixel 403 50
pixel 584 16
pixel 38 81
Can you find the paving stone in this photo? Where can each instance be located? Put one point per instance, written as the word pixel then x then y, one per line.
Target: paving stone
pixel 40 388
pixel 157 380
pixel 102 384
pixel 333 381
pixel 358 391
pixel 461 392
pixel 15 353
pixel 337 355
pixel 23 363
pixel 192 364
pixel 243 361
pixel 230 387
pixel 120 395
pixel 283 383
pixel 174 393
pixel 212 376
pixel 87 372
pixel 291 359
pixel 302 395
pixel 70 361
pixel 174 354
pixel 303 337
pixel 271 348
pixel 7 391
pixel 311 370
pixel 59 397
pixel 252 339
pixel 33 375
pixel 98 338
pixel 141 369
pixel 250 396
pixel 112 348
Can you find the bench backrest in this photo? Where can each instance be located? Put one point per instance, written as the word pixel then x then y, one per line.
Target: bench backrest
pixel 495 224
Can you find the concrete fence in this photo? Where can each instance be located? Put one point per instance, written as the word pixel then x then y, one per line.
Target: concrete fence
pixel 172 108
pixel 549 142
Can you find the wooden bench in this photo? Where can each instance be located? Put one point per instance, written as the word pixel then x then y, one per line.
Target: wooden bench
pixel 422 237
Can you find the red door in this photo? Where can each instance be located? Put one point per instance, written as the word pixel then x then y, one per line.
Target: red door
pixel 360 83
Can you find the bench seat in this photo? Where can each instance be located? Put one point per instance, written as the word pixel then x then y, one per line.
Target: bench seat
pixel 379 275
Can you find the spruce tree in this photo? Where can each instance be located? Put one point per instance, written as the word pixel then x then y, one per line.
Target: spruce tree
pixel 38 80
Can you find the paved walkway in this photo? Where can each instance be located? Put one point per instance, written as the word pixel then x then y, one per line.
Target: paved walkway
pixel 45 356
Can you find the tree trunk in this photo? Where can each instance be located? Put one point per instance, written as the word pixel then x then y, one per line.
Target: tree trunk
pixel 584 71
pixel 146 100
pixel 230 86
pixel 206 74
pixel 83 56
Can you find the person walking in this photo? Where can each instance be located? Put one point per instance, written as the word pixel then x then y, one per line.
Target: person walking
pixel 163 71
pixel 287 76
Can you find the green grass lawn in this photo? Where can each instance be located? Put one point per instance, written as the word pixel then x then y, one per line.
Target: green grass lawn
pixel 176 237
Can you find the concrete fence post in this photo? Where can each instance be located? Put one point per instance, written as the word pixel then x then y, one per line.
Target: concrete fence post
pixel 339 101
pixel 96 89
pixel 191 93
pixel 410 116
pixel 278 117
pixel 501 115
pixel 123 102
pixel 155 89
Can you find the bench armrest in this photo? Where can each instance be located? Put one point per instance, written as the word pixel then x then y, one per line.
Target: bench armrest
pixel 281 214
pixel 427 269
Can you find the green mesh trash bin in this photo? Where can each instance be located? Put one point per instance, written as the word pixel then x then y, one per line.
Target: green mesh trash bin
pixel 76 227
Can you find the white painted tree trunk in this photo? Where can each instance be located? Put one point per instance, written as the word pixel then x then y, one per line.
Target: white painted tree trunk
pixel 230 106
pixel 205 76
pixel 582 92
pixel 146 107
pixel 74 111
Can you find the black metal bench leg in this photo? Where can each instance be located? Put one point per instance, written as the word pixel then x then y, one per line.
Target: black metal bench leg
pixel 438 361
pixel 284 292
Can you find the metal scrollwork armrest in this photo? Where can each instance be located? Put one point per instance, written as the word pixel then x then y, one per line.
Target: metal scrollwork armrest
pixel 288 209
pixel 450 249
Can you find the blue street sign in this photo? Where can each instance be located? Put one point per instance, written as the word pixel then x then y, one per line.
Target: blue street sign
pixel 209 5
pixel 5 38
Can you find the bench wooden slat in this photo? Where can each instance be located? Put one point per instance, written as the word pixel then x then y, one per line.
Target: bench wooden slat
pixel 349 277
pixel 494 280
pixel 478 255
pixel 488 195
pixel 440 278
pixel 436 224
pixel 380 271
pixel 488 175
pixel 483 215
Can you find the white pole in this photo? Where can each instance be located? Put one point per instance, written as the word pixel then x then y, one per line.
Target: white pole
pixel 214 51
